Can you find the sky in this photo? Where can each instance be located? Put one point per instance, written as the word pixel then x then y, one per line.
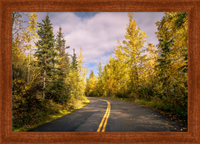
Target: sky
pixel 97 33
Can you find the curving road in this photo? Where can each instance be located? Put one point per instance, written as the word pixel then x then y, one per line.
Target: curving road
pixel 110 115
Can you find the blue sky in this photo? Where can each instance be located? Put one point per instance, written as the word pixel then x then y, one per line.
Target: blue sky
pixel 97 33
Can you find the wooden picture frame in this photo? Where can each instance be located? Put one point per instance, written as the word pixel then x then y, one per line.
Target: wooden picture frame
pixel 9 6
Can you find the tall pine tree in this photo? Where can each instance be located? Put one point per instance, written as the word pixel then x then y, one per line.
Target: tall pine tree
pixel 164 49
pixel 63 57
pixel 74 61
pixel 45 52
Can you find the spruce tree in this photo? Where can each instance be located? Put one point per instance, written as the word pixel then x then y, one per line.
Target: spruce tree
pixel 74 76
pixel 74 61
pixel 58 88
pixel 45 52
pixel 63 57
pixel 164 49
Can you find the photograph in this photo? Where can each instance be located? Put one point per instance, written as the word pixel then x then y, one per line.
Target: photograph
pixel 99 72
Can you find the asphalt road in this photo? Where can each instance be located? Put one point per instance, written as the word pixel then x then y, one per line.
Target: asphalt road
pixel 121 116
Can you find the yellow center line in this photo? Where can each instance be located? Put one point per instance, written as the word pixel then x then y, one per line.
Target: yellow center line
pixel 105 117
pixel 105 123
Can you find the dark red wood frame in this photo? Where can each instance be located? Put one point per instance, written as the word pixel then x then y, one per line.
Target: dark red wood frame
pixel 9 6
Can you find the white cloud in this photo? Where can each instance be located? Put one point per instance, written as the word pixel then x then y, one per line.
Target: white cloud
pixel 98 35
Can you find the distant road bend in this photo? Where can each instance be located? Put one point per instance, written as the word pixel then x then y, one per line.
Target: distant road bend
pixel 110 115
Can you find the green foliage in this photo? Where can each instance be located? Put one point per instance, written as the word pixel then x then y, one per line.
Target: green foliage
pixel 45 52
pixel 74 61
pixel 57 89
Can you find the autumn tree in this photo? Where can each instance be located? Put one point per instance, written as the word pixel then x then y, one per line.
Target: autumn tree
pixel 82 73
pixel 90 86
pixel 133 50
pixel 99 85
pixel 154 74
pixel 123 77
pixel 173 62
pixel 30 35
pixel 18 46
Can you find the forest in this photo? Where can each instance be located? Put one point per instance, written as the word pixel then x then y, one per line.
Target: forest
pixel 48 81
pixel 139 71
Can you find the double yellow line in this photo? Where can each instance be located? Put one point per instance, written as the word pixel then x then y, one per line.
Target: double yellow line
pixel 105 117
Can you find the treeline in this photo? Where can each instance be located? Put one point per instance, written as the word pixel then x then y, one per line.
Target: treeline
pixel 46 78
pixel 155 74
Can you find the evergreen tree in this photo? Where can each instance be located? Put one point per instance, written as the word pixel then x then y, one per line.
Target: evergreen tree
pixel 164 48
pixel 63 57
pixel 60 46
pixel 74 77
pixel 45 52
pixel 173 60
pixel 74 61
pixel 57 89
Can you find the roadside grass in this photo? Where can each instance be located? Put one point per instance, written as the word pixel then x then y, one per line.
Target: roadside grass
pixel 50 117
pixel 159 106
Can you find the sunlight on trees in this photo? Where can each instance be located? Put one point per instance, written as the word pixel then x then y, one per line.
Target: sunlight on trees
pixel 46 78
pixel 157 74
